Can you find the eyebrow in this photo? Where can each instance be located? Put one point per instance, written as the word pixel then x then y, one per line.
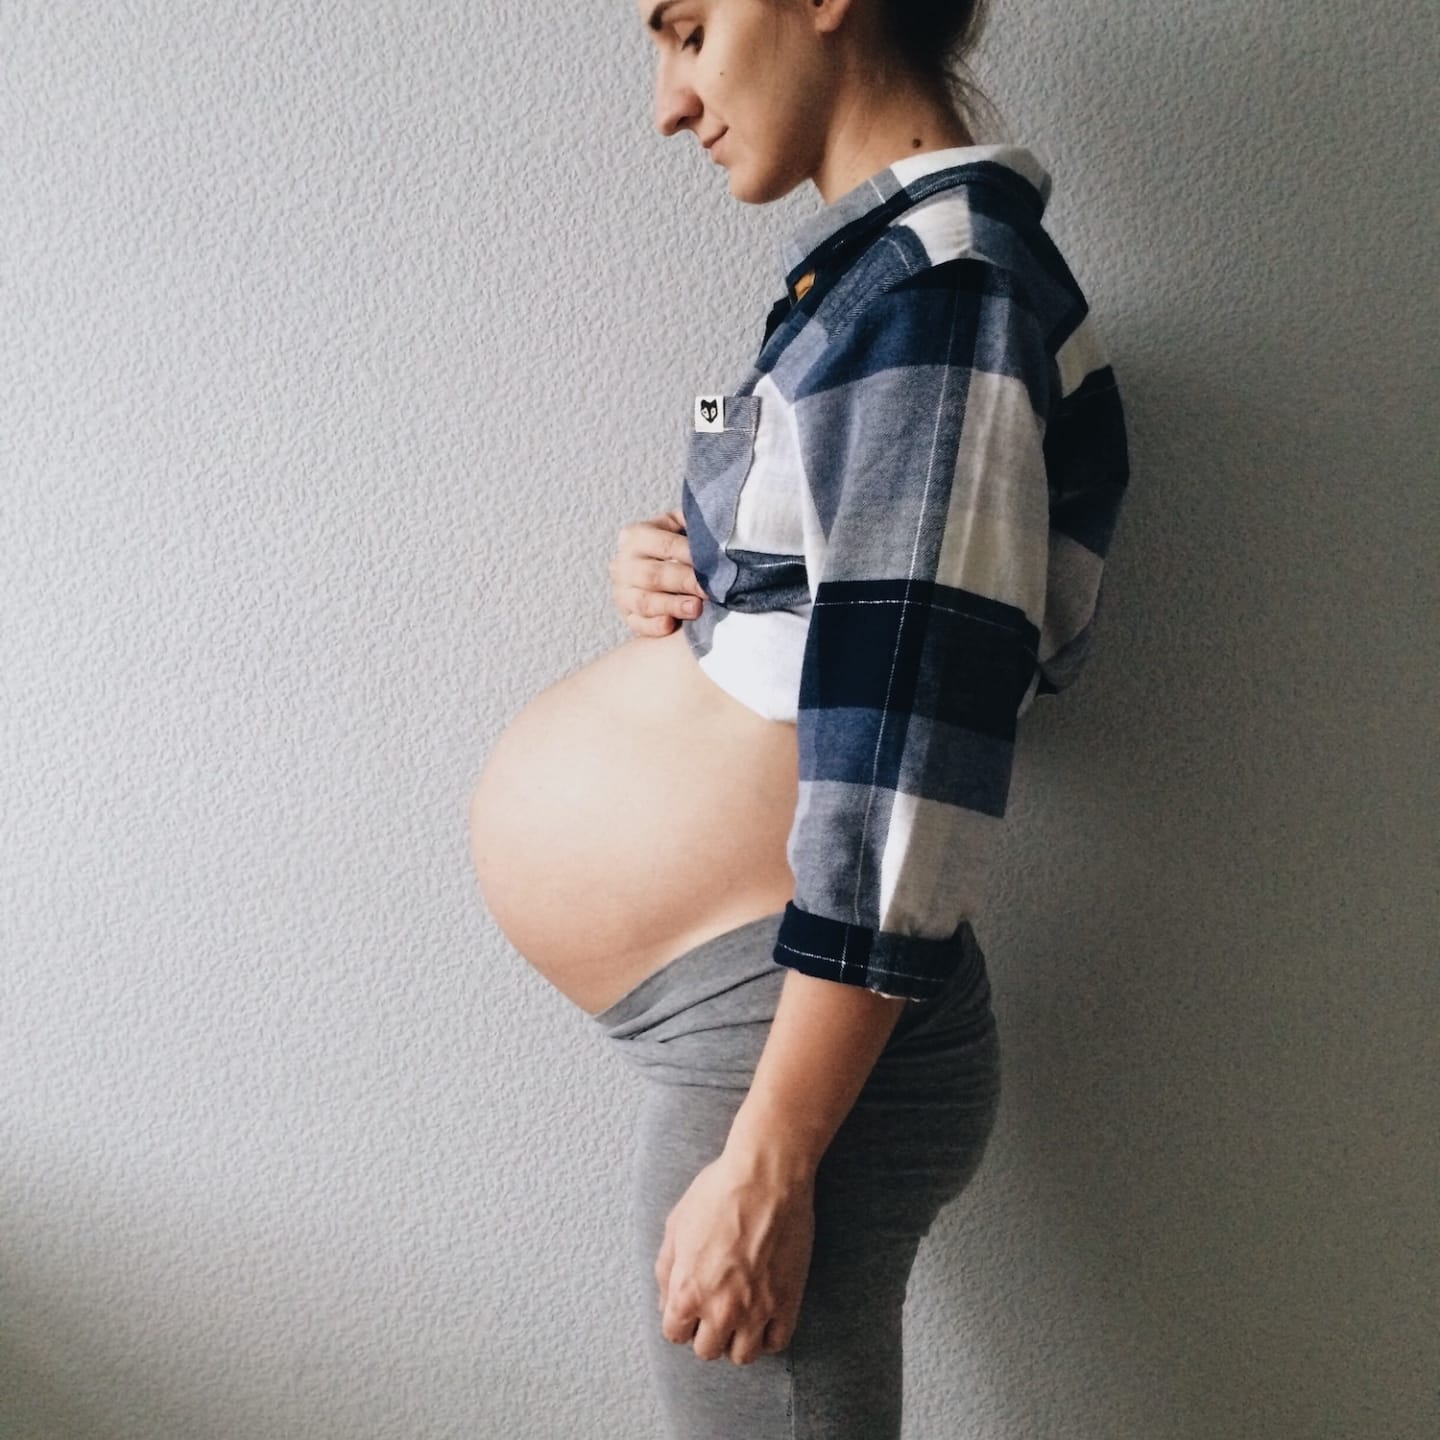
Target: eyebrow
pixel 655 15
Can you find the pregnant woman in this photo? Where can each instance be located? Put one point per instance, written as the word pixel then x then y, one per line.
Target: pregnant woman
pixel 752 840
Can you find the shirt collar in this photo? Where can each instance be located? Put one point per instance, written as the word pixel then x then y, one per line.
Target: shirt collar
pixel 851 219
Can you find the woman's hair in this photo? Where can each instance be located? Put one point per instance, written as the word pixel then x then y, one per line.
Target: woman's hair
pixel 933 40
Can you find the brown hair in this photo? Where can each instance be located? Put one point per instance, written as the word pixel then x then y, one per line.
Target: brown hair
pixel 933 40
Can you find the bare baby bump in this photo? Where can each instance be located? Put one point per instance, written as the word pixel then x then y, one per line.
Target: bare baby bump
pixel 630 811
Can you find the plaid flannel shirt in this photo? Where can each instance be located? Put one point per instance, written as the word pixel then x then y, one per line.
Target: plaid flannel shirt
pixel 900 517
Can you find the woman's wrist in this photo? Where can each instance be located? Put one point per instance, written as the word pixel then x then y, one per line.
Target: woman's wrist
pixel 771 1147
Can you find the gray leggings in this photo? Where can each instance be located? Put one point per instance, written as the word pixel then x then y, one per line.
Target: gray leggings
pixel 694 1029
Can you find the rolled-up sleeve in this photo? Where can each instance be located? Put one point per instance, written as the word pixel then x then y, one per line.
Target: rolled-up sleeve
pixel 921 427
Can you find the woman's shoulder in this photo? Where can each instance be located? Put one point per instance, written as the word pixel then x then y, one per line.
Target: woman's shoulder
pixel 948 242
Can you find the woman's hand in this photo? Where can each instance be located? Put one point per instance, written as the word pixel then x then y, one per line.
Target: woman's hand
pixel 734 1261
pixel 651 575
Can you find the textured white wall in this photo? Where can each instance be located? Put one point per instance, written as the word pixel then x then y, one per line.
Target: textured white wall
pixel 337 343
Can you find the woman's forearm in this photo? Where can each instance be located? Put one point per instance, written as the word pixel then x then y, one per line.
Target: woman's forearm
pixel 823 1044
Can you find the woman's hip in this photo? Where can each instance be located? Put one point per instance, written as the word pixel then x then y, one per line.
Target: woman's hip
pixel 696 1029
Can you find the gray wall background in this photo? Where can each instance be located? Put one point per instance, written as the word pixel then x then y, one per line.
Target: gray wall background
pixel 338 341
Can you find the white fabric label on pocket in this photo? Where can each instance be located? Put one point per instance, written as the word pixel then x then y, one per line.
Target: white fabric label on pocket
pixel 709 412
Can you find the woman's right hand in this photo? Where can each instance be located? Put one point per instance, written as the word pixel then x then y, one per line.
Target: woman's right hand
pixel 651 576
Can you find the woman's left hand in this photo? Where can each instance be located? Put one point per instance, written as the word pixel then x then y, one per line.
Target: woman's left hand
pixel 734 1261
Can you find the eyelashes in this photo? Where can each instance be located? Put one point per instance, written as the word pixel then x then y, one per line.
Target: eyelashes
pixel 698 30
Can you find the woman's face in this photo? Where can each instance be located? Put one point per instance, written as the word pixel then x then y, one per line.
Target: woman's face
pixel 751 73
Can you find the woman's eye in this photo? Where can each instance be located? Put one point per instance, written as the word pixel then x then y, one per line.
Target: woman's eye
pixel 698 30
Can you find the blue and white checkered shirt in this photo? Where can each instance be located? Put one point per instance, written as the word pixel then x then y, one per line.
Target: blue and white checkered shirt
pixel 900 518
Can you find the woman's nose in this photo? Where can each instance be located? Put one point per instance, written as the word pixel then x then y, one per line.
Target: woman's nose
pixel 674 105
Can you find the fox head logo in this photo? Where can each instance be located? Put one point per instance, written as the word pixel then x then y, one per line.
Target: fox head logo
pixel 709 409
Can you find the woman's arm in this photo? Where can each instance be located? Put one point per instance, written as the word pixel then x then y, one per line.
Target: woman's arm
pixel 824 1042
pixel 921 428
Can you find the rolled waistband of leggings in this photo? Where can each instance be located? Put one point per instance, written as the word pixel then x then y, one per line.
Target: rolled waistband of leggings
pixel 738 970
pixel 723 965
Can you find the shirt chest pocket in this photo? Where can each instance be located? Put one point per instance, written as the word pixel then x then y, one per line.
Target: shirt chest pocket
pixel 716 464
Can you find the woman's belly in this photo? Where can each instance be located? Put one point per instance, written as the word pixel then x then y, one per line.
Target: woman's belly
pixel 632 810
